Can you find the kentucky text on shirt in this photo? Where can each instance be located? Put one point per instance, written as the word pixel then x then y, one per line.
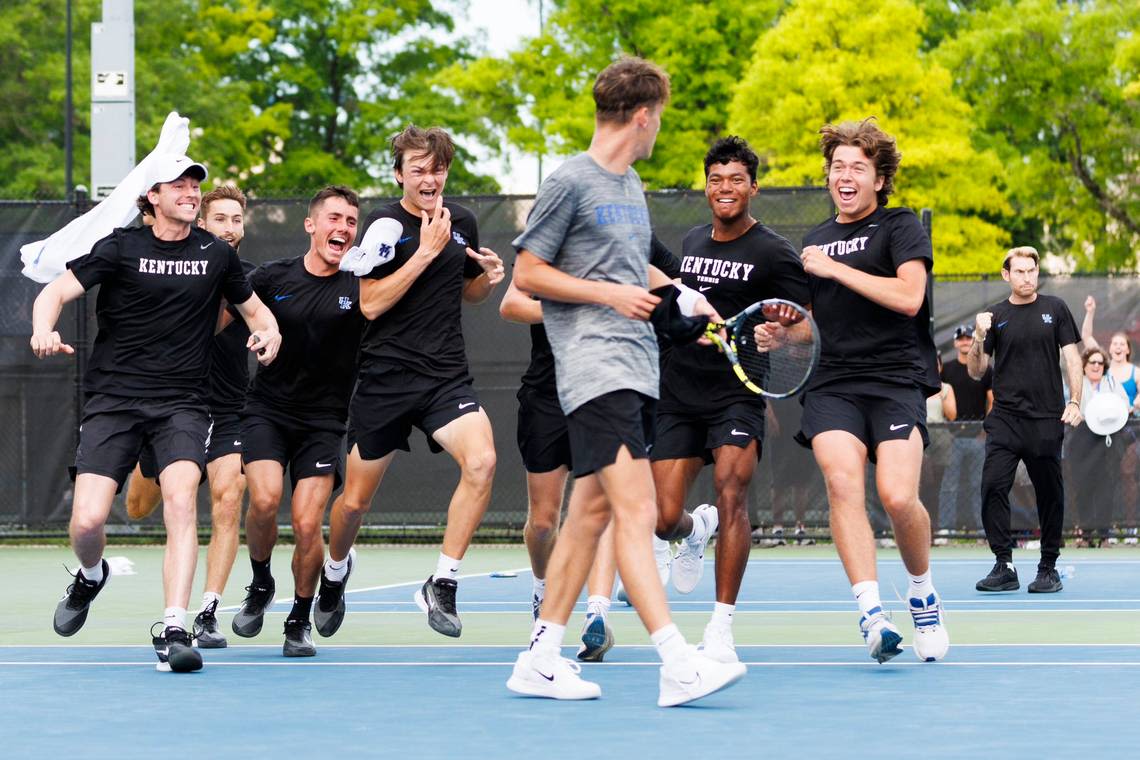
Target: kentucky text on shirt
pixel 733 270
pixel 843 247
pixel 178 267
pixel 614 213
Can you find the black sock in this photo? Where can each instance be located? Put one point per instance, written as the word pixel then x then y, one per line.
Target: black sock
pixel 261 575
pixel 302 606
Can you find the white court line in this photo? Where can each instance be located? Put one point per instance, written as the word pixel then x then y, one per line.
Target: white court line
pixel 631 611
pixel 739 603
pixel 507 664
pixel 938 562
pixel 517 645
pixel 403 584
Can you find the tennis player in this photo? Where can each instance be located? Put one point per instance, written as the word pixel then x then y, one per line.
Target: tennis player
pixel 868 271
pixel 413 369
pixel 585 253
pixel 223 215
pixel 706 415
pixel 161 288
pixel 295 411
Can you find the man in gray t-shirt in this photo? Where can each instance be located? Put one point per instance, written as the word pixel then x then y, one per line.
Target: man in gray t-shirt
pixel 594 225
pixel 585 253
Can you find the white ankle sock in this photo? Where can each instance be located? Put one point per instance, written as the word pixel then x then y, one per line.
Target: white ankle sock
pixel 334 570
pixel 722 614
pixel 699 530
pixel 174 617
pixel 538 588
pixel 209 598
pixel 94 574
pixel 598 605
pixel 447 567
pixel 867 594
pixel 920 586
pixel 547 636
pixel 670 643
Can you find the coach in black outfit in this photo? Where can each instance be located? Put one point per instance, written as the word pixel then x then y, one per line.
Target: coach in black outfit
pixel 1023 334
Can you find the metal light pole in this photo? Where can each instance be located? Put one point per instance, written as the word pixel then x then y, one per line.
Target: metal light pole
pixel 68 123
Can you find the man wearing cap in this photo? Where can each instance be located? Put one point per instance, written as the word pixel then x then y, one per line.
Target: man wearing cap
pixel 1024 333
pixel 160 291
pixel 974 399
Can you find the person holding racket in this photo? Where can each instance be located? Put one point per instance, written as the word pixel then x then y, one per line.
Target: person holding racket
pixel 869 274
pixel 706 416
pixel 585 253
pixel 420 261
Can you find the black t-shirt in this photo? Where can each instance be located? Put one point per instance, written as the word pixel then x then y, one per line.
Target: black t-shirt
pixel 540 373
pixel 157 310
pixel 229 363
pixel 862 343
pixel 731 274
pixel 320 323
pixel 423 330
pixel 970 394
pixel 1024 341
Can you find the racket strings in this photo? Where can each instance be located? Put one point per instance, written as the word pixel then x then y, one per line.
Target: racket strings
pixel 781 368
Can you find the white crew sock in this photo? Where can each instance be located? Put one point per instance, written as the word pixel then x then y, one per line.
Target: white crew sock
pixel 335 570
pixel 447 567
pixel 598 605
pixel 209 598
pixel 94 574
pixel 867 594
pixel 174 617
pixel 920 586
pixel 700 530
pixel 670 644
pixel 722 614
pixel 538 588
pixel 547 636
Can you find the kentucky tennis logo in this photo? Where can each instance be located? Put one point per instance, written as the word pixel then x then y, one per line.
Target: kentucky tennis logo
pixel 176 267
pixel 345 303
pixel 1047 318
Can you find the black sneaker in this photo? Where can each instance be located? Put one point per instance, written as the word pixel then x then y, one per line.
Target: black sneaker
pixel 437 599
pixel 1047 581
pixel 328 612
pixel 71 612
pixel 175 651
pixel 206 631
pixel 248 620
pixel 298 640
pixel 1003 577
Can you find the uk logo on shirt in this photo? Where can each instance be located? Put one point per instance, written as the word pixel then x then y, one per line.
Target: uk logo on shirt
pixel 1047 318
pixel 458 238
pixel 345 303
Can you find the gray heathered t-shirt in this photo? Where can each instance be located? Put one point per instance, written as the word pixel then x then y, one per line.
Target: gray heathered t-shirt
pixel 593 224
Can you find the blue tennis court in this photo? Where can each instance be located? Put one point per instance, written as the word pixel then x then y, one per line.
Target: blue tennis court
pixel 1026 677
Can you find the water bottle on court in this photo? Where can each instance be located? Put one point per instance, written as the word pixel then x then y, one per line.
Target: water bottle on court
pixel 1068 571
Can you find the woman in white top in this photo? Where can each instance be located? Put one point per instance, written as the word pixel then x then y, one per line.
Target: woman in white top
pixel 1120 367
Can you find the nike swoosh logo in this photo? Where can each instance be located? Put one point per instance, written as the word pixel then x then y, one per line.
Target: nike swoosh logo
pixel 704 288
pixel 694 682
pixel 469 403
pixel 548 678
pixel 237 443
pixel 405 239
pixel 738 432
pixel 282 298
pixel 900 427
pixel 322 466
pixel 1001 324
pixel 207 245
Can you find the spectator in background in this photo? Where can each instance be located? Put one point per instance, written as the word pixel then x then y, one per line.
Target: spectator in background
pixel 960 504
pixel 1091 458
pixel 942 406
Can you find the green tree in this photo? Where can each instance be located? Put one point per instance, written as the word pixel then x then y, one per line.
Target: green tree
pixel 1055 86
pixel 538 98
pixel 808 71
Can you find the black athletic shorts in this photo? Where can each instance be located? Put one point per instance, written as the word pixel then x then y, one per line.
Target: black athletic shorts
pixel 307 448
pixel 386 406
pixel 542 436
pixel 873 414
pixel 225 437
pixel 116 430
pixel 601 426
pixel 683 433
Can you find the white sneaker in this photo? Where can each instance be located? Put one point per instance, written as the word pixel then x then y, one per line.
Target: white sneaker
pixel 550 675
pixel 689 562
pixel 881 635
pixel 931 639
pixel 663 553
pixel 718 644
pixel 694 677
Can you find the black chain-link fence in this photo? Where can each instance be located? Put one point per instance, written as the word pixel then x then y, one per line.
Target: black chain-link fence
pixel 38 399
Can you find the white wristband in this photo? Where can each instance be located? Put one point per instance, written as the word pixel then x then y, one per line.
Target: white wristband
pixel 687 299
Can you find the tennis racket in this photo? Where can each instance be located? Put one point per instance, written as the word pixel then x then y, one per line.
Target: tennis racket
pixel 773 346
